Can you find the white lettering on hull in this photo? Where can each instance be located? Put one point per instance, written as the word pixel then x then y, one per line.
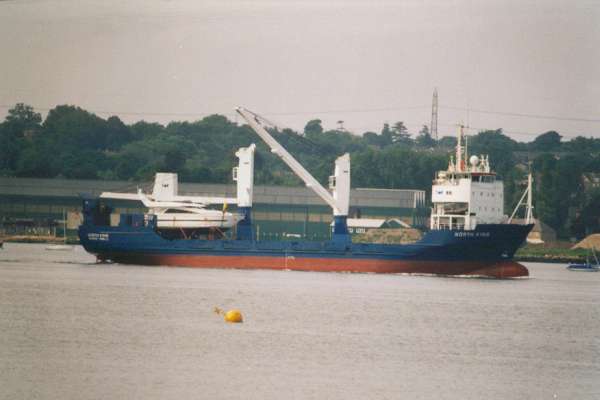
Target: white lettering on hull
pixel 98 236
pixel 471 234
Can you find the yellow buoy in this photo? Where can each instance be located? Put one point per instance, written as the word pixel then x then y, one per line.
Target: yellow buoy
pixel 234 316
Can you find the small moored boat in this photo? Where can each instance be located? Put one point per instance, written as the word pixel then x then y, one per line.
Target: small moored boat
pixel 587 266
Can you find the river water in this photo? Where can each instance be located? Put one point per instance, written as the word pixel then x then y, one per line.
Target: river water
pixel 73 329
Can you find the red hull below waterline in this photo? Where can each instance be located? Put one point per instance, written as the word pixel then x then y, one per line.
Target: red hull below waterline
pixel 499 269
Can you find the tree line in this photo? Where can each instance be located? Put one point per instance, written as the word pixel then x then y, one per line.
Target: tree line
pixel 74 143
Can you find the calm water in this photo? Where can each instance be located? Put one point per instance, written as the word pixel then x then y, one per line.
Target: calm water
pixel 72 329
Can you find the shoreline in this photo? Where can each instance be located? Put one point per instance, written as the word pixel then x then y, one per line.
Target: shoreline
pixel 38 239
pixel 548 260
pixel 557 254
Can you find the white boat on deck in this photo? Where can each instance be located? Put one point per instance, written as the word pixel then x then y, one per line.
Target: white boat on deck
pixel 190 215
pixel 180 212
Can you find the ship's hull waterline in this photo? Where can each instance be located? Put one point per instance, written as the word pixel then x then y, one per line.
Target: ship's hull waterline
pixel 498 269
pixel 486 251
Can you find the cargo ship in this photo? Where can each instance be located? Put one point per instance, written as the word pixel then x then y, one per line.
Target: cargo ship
pixel 469 234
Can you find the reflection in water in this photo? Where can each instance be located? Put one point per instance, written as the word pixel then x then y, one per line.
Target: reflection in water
pixel 70 328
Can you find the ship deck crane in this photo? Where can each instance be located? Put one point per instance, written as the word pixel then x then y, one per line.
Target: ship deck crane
pixel 339 183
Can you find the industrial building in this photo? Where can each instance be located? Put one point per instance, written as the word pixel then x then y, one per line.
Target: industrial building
pixel 279 212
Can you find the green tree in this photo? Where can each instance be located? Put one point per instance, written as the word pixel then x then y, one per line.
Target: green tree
pixel 117 133
pixel 24 116
pixel 313 127
pixel 447 142
pixel 559 191
pixel 146 130
pixel 400 133
pixel 549 141
pixel 365 169
pixel 587 218
pixel 424 139
pixel 131 161
pixel 371 139
pixel 174 160
pixel 70 128
pixel 545 194
pixel 569 185
pixel 35 162
pixel 85 164
pixel 498 146
pixel 582 145
pixel 20 126
pixel 386 135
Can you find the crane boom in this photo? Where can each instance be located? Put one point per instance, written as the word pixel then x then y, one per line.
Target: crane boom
pixel 339 201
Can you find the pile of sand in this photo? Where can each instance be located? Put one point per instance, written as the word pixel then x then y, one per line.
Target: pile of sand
pixel 390 236
pixel 589 242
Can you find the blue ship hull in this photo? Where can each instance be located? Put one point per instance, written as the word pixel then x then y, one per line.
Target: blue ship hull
pixel 486 251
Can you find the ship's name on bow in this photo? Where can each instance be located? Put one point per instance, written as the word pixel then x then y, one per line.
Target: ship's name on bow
pixel 471 234
pixel 98 236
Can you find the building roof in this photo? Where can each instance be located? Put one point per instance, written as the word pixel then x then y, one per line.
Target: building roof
pixel 32 187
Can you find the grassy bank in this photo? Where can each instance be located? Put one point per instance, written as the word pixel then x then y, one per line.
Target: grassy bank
pixel 39 239
pixel 559 252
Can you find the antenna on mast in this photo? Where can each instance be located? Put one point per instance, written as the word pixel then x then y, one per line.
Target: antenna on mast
pixel 434 115
pixel 528 205
pixel 460 161
pixel 466 150
pixel 529 214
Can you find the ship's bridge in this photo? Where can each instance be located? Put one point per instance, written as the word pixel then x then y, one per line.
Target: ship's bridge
pixel 466 194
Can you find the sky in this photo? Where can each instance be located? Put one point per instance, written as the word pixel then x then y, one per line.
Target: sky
pixel 524 66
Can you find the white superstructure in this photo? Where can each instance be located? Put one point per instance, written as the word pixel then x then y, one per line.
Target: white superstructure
pixel 467 193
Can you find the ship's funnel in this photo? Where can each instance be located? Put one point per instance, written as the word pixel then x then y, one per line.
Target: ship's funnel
pixel 165 186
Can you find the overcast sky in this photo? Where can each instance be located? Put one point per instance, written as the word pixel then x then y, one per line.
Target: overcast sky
pixel 363 62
